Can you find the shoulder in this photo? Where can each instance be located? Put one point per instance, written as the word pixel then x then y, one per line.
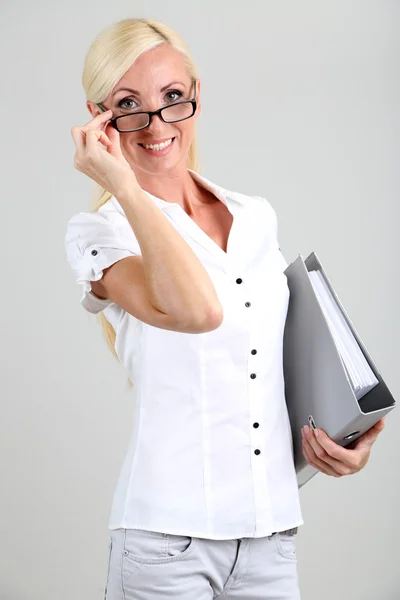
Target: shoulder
pixel 266 206
pixel 258 206
pixel 268 212
pixel 105 228
pixel 107 216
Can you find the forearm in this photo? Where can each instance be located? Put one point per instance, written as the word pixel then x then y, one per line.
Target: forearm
pixel 177 282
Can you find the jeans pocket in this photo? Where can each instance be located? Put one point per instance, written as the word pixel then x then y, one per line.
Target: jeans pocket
pixel 286 545
pixel 143 547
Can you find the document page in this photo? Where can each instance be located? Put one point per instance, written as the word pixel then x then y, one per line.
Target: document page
pixel 359 372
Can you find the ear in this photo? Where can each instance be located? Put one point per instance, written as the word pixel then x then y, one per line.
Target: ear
pixel 92 108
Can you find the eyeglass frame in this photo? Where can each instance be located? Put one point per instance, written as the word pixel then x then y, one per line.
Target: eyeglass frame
pixel 151 113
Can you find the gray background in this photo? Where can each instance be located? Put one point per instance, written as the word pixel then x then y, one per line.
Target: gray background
pixel 300 104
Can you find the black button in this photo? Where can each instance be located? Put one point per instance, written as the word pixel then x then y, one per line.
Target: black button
pixel 239 280
pixel 94 252
pixel 248 304
pixel 253 375
pixel 256 425
pixel 257 451
pixel 254 351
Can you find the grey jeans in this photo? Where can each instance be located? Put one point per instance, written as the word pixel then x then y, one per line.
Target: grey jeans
pixel 148 565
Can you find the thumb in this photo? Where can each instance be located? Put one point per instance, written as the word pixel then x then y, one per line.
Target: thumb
pixel 369 436
pixel 379 425
pixel 114 137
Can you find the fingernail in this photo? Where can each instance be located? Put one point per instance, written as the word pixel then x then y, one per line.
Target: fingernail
pixel 316 432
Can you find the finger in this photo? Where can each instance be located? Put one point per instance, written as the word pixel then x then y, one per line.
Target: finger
pixel 114 137
pixel 93 136
pixel 79 139
pixel 369 437
pixel 318 464
pixel 314 462
pixel 99 119
pixel 321 454
pixel 318 453
pixel 335 453
pixel 379 426
pixel 79 133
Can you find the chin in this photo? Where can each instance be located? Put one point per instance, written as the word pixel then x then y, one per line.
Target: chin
pixel 160 165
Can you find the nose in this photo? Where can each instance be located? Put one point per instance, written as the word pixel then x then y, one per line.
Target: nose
pixel 156 124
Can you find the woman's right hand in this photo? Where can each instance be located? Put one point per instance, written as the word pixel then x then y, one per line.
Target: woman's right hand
pixel 105 163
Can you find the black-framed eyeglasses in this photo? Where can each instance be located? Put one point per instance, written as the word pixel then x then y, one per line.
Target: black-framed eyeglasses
pixel 179 111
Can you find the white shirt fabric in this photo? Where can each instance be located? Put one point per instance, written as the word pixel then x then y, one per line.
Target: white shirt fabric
pixel 210 453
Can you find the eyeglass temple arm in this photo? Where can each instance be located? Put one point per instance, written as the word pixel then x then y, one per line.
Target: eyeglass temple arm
pixel 101 107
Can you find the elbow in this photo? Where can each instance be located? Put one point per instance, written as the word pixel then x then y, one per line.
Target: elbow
pixel 204 322
pixel 216 317
pixel 212 319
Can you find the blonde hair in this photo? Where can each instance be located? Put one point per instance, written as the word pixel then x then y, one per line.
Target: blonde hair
pixel 109 57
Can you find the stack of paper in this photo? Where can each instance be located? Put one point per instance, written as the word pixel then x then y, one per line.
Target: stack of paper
pixel 358 370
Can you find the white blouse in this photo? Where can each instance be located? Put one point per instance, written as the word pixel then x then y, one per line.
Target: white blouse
pixel 210 453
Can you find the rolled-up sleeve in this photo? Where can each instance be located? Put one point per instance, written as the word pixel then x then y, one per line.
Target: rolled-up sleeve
pixel 94 242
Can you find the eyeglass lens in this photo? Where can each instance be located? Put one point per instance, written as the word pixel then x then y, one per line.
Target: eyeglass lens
pixel 172 113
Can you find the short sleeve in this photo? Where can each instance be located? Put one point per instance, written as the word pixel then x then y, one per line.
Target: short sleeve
pixel 93 242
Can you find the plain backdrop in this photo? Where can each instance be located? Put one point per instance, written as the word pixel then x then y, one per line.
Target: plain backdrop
pixel 300 105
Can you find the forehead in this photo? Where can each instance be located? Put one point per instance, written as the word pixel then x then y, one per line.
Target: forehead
pixel 156 68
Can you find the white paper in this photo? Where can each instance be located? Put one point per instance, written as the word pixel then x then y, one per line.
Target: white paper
pixel 360 374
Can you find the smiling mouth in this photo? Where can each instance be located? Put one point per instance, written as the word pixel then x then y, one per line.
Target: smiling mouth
pixel 158 147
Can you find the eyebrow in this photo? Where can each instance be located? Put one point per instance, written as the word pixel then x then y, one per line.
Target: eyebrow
pixel 125 89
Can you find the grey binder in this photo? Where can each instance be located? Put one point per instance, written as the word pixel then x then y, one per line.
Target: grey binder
pixel 316 380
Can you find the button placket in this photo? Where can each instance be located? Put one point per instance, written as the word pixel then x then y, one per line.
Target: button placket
pixel 256 425
pixel 239 280
pixel 261 493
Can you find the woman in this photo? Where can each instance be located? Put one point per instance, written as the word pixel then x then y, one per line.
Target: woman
pixel 191 282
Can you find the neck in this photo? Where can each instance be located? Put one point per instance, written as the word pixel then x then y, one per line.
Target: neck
pixel 176 185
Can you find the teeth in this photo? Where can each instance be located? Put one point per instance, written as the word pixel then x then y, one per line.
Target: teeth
pixel 158 146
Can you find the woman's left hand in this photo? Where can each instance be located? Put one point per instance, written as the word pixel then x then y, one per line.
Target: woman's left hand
pixel 324 454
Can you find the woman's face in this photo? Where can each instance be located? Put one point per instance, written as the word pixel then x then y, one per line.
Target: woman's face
pixel 158 78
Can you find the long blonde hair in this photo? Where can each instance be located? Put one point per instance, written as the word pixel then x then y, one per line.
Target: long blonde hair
pixel 111 54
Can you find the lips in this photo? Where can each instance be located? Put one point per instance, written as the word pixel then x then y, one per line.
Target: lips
pixel 153 143
pixel 159 153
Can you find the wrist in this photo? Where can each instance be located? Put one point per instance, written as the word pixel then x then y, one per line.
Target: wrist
pixel 127 191
pixel 126 187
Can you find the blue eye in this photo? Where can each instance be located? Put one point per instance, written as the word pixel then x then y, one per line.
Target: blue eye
pixel 177 92
pixel 122 102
